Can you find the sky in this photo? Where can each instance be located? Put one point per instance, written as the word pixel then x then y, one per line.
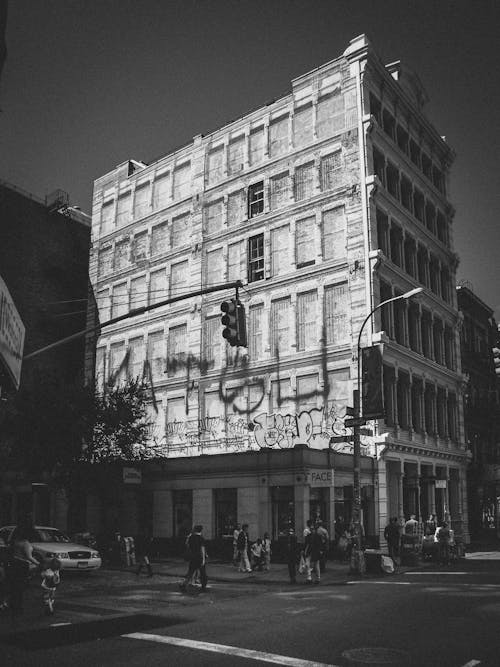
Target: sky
pixel 89 84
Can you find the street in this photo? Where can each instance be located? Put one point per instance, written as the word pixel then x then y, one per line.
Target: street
pixel 424 616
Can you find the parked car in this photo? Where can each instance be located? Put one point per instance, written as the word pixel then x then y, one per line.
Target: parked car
pixel 50 542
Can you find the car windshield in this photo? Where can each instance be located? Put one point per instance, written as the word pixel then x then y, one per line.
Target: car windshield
pixel 49 535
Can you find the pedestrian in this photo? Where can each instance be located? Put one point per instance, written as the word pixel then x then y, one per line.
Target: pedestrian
pixel 197 559
pixel 267 551
pixel 242 543
pixel 343 543
pixel 391 534
pixel 322 531
pixel 291 555
pixel 443 538
pixel 236 532
pixel 144 545
pixel 430 525
pixel 314 550
pixel 51 578
pixel 20 565
pixel 257 553
pixel 411 526
pixel 305 551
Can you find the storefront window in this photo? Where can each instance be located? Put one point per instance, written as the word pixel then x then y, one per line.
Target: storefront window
pixel 319 500
pixel 226 507
pixel 183 513
pixel 283 508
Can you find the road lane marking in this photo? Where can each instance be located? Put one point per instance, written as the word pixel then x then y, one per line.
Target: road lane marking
pixel 426 572
pixel 472 663
pixel 228 650
pixel 56 625
pixel 299 611
pixel 389 583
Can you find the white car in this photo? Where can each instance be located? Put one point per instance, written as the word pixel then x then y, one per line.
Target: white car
pixel 52 543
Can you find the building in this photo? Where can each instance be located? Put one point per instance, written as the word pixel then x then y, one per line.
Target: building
pixel 44 266
pixel 324 203
pixel 478 336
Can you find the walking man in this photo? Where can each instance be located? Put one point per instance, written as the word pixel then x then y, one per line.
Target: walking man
pixel 197 558
pixel 242 544
pixel 391 534
pixel 291 555
pixel 236 532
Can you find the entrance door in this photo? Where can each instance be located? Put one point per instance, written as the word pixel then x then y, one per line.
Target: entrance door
pixel 183 513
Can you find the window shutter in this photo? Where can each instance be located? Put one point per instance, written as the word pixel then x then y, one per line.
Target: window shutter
pixel 214 216
pixel 215 165
pixel 161 191
pixel 336 309
pixel 236 155
pixel 256 146
pixel 280 326
pixel 138 296
pixel 255 315
pixel 158 286
pixel 280 256
pixel 107 213
pixel 159 239
pixel 123 210
pixel 305 241
pixel 140 246
pixel 278 137
pixel 141 201
pixel 334 234
pixel 215 268
pixel 178 278
pixel 214 343
pixel 136 357
pixel 182 181
pixel 307 320
pixel 236 208
pixel 330 117
pixel 304 181
pixel 156 354
pixel 279 191
pixel 302 126
pixel 180 231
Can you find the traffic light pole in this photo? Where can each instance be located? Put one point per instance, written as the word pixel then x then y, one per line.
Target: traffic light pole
pixel 137 311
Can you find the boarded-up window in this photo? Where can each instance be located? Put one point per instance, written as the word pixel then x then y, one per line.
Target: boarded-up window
pixel 330 116
pixel 236 207
pixel 156 354
pixel 161 191
pixel 304 181
pixel 158 286
pixel 338 393
pixel 282 399
pixel 334 234
pixel 175 421
pixel 140 247
pixel 117 368
pixel 307 321
pixel 104 305
pixel 214 407
pixel 305 251
pixel 141 201
pixel 214 216
pixel 336 309
pixel 123 210
pixel 138 294
pixel 255 331
pixel 236 155
pixel 330 171
pixel 302 126
pixel 179 278
pixel 278 137
pixel 280 253
pixel 105 264
pixel 234 259
pixel 182 181
pixel 159 239
pixel 307 393
pixel 180 231
pixel 215 165
pixel 256 147
pixel 107 217
pixel 177 348
pixel 120 300
pixel 279 191
pixel 136 351
pixel 100 368
pixel 121 255
pixel 280 326
pixel 215 267
pixel 213 342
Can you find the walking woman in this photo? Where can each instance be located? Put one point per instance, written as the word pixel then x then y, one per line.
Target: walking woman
pixel 19 568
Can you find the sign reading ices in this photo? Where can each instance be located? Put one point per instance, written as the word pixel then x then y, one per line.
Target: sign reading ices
pixel 11 335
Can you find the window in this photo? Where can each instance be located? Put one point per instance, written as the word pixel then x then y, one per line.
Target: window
pixel 422 265
pixel 338 392
pixel 158 286
pixel 280 255
pixel 141 201
pixel 117 369
pixel 256 258
pixel 449 348
pixel 278 137
pixel 414 153
pixel 399 321
pixel 182 181
pixel 336 309
pixel 123 210
pixel 107 215
pixel 180 231
pixel 379 166
pixel 333 233
pixel 156 354
pixel 307 321
pixel 159 239
pixel 307 393
pixel 452 416
pixel 437 334
pixel 100 368
pixel 161 191
pixel 418 205
pixel 214 216
pixel 441 412
pixel 121 255
pixel 279 191
pixel 383 232
pixel 389 398
pixel 430 217
pixel 442 228
pixel 140 246
pixel 445 284
pixel 413 326
pixel 104 305
pixel 406 193
pixel 402 139
pixel 375 108
pixel 403 399
pixel 280 327
pixel 302 126
pixel 429 407
pixel 215 165
pixel 282 400
pixel 256 146
pixel 214 343
pixel 437 178
pixel 236 155
pixel 234 257
pixel 426 333
pixel 177 347
pixel 410 251
pixel 331 171
pixel 179 278
pixel 305 242
pixel 396 239
pixel 136 357
pixel 304 181
pixel 138 295
pixel 255 330
pixel 215 267
pixel 235 208
pixel 105 263
pixel 427 166
pixel 434 274
pixel 330 116
pixel 389 124
pixel 416 405
pixel 255 199
pixel 392 175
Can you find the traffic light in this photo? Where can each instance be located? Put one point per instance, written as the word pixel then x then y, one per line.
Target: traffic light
pixel 496 358
pixel 372 382
pixel 233 320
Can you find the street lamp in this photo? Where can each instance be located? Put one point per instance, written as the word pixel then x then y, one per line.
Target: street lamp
pixel 357 561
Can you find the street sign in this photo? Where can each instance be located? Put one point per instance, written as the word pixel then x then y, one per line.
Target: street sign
pixel 354 421
pixel 340 438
